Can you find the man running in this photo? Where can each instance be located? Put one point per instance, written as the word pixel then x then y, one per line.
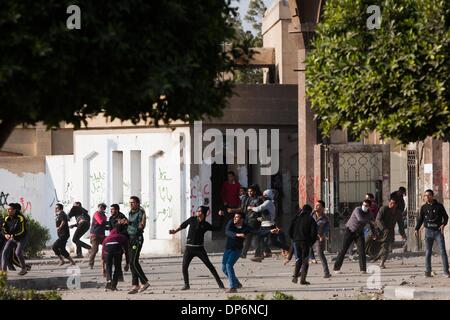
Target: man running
pixel 354 232
pixel 372 245
pixel 303 232
pixel 386 219
pixel 113 247
pixel 98 227
pixel 15 231
pixel 236 231
pixel 198 226
pixel 136 225
pixel 82 224
pixel 268 232
pixel 62 229
pixel 323 227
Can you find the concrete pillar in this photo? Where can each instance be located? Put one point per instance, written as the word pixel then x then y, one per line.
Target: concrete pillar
pixel 43 141
pixel 306 138
pixel 304 17
pixel 445 178
pixel 445 174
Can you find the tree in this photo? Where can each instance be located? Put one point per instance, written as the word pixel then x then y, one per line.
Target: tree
pixel 394 80
pixel 132 60
pixel 255 14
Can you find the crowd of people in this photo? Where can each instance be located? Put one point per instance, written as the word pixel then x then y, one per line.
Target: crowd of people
pixel 250 219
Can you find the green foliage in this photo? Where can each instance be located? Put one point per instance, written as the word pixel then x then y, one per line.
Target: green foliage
pixel 38 236
pixel 278 295
pixel 260 296
pixel 246 39
pixel 10 293
pixel 236 297
pixel 131 60
pixel 394 79
pixel 255 13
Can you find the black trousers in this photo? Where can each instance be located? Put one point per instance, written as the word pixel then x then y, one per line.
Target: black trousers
pixel 136 270
pixel 81 230
pixel 349 238
pixel 113 258
pixel 59 247
pixel 251 238
pixel 199 252
pixel 301 259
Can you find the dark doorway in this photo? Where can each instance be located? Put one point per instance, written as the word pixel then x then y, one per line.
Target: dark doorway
pixel 218 176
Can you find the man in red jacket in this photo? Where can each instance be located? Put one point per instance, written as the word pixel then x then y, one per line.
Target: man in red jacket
pixel 98 227
pixel 114 246
pixel 229 195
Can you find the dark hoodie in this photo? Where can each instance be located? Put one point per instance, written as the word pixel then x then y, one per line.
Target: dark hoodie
pixel 303 228
pixel 432 216
pixel 117 239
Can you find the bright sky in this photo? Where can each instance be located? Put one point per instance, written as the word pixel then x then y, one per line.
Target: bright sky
pixel 243 6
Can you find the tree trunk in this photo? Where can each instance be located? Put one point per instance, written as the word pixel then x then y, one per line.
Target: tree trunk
pixel 6 128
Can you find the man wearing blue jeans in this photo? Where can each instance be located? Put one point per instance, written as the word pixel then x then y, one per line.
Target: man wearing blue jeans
pixel 434 218
pixel 236 232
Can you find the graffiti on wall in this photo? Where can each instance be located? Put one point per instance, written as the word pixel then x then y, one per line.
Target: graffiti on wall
pixel 4 199
pixel 97 188
pixel 164 195
pixel 67 197
pixel 199 194
pixel 308 196
pixel 26 205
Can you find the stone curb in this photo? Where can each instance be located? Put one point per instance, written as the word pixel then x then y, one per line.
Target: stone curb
pixel 409 293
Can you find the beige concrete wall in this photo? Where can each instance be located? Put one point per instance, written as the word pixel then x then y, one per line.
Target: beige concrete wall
pixel 273 39
pixel 21 165
pixel 276 35
pixel 62 142
pixel 338 136
pixel 22 141
pixel 272 105
pixel 288 74
pixel 399 169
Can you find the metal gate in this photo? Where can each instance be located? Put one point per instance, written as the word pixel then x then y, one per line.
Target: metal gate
pixel 350 172
pixel 414 243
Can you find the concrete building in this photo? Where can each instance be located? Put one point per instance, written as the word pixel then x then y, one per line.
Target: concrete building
pixel 341 169
pixel 109 162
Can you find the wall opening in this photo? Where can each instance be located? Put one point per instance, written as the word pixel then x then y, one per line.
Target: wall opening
pixel 135 174
pixel 117 177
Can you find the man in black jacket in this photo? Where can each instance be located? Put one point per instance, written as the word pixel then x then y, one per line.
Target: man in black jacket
pixel 303 232
pixel 118 220
pixel 83 223
pixel 434 218
pixel 62 229
pixel 198 226
pixel 15 232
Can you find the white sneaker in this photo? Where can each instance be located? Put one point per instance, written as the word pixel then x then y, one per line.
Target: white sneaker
pixel 337 272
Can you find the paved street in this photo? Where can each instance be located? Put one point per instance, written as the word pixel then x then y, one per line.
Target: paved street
pixel 257 278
